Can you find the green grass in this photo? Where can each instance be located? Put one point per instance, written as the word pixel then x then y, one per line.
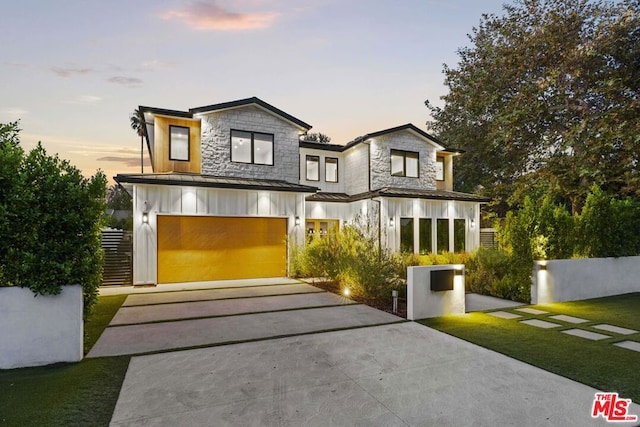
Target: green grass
pixel 77 394
pixel 598 364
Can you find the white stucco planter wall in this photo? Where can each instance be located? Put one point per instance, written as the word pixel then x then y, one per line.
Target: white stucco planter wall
pixel 42 330
pixel 422 302
pixel 579 279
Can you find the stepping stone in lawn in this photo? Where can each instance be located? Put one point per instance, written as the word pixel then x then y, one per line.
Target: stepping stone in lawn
pixel 568 319
pixel 616 329
pixel 504 315
pixel 631 345
pixel 540 323
pixel 585 334
pixel 531 310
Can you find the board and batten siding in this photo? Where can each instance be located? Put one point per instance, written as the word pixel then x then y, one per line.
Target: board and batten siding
pixel 178 200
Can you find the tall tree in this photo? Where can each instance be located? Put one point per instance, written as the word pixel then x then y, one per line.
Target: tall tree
pixel 137 123
pixel 547 98
pixel 318 137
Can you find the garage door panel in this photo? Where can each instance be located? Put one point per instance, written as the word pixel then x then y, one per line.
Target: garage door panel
pixel 220 248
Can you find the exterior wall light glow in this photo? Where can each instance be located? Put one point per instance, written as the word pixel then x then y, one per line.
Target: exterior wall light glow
pixel 145 213
pixel 473 223
pixel 392 222
pixel 297 220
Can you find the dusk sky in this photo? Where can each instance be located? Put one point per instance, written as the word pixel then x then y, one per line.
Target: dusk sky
pixel 73 71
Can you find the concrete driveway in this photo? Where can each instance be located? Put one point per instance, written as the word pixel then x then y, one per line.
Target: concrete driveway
pixel 376 372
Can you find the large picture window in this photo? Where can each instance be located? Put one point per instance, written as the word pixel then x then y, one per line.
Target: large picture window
pixel 426 239
pixel 179 143
pixel 251 147
pixel 404 163
pixel 331 169
pixel 406 235
pixel 313 168
pixel 442 234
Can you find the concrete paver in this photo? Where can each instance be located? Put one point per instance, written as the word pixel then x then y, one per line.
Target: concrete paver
pixel 136 339
pixel 225 307
pixel 529 310
pixel 504 315
pixel 540 323
pixel 568 319
pixel 594 336
pixel 213 294
pixel 616 329
pixel 398 374
pixel 477 302
pixel 630 345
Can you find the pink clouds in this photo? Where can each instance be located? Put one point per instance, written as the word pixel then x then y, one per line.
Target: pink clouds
pixel 207 16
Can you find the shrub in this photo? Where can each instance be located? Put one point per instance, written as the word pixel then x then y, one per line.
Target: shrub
pixel 609 227
pixel 50 219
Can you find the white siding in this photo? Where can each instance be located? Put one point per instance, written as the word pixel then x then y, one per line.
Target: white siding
pixel 322 184
pixel 174 200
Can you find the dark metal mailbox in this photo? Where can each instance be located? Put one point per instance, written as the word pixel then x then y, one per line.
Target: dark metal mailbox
pixel 442 280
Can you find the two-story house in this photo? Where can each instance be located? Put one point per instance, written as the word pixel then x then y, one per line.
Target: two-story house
pixel 235 185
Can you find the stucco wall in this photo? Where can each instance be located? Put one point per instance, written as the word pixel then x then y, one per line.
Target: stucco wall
pixel 578 279
pixel 216 144
pixel 42 330
pixel 422 302
pixel 381 161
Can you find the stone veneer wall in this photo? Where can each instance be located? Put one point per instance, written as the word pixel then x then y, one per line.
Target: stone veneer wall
pixel 216 144
pixel 356 167
pixel 381 161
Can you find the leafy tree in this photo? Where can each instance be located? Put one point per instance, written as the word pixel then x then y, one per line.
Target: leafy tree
pixel 119 200
pixel 136 119
pixel 546 97
pixel 50 219
pixel 318 137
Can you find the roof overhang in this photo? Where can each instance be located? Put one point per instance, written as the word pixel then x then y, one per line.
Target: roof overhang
pixel 195 180
pixel 398 193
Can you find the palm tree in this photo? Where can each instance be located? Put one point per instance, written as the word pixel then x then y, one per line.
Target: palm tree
pixel 137 123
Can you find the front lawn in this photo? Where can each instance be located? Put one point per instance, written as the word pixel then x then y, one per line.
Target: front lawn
pixel 598 364
pixel 67 394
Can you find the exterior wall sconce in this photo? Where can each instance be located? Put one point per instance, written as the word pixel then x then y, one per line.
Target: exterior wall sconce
pixel 542 265
pixel 297 220
pixel 472 224
pixel 392 222
pixel 145 213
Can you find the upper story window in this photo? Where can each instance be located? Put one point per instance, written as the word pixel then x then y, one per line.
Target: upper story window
pixel 331 169
pixel 313 168
pixel 178 143
pixel 251 147
pixel 404 163
pixel 439 168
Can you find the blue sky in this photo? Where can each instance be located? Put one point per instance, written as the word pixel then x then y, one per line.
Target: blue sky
pixel 73 70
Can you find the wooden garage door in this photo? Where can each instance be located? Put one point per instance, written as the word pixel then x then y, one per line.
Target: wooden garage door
pixel 192 249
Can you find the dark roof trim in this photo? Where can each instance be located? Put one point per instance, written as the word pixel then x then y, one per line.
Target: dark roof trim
pixel 454 151
pixel 165 112
pixel 249 101
pixel 408 126
pixel 193 180
pixel 321 146
pixel 399 193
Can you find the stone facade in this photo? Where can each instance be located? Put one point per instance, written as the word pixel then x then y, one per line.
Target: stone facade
pixel 381 161
pixel 356 165
pixel 216 144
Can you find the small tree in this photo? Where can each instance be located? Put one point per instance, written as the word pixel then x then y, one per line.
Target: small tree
pixel 318 137
pixel 50 220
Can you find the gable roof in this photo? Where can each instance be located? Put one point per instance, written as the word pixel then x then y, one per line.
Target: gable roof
pixel 409 126
pixel 252 101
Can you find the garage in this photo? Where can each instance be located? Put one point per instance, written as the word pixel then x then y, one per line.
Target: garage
pixel 198 248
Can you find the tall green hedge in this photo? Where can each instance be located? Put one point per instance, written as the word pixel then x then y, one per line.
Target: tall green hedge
pixel 50 220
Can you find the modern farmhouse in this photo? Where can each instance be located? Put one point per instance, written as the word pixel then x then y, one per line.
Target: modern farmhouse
pixel 234 185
